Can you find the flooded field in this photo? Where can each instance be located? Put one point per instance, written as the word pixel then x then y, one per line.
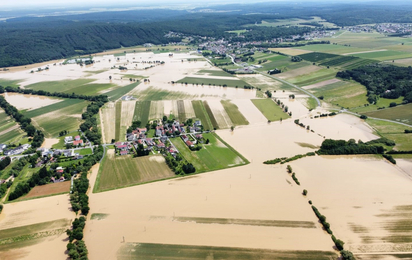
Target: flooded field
pixel 29 102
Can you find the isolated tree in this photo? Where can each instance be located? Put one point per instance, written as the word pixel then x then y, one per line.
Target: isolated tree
pixel 110 77
pixel 232 128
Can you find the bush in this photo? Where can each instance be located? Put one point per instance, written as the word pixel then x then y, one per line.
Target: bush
pixel 347 255
pixel 305 192
pixel 363 117
pixel 389 158
pixel 339 244
pixel 289 169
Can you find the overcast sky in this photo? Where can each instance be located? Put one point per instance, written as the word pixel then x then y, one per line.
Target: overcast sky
pixel 97 3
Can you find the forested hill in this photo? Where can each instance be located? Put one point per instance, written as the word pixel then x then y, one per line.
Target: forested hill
pixel 27 40
pixel 30 40
pixel 26 46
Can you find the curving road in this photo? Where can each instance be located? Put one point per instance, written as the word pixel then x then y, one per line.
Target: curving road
pixel 283 81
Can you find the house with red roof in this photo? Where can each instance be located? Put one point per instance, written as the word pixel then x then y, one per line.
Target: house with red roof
pixel 78 142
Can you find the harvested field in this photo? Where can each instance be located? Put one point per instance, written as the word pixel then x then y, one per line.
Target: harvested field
pixel 170 251
pixel 270 109
pixel 47 190
pixel 181 111
pixel 201 114
pixel 123 171
pixel 219 113
pixel 210 115
pixel 298 72
pixel 156 110
pixel 29 102
pixel 128 108
pixel 189 111
pixel 321 84
pixel 249 111
pixel 108 122
pixel 117 120
pixel 142 111
pixel 234 114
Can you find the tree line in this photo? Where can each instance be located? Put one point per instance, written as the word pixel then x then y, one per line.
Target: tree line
pixel 36 135
pixel 338 147
pixel 98 98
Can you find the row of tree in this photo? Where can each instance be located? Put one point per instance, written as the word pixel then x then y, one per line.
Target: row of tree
pixel 77 249
pixel 98 98
pixel 89 126
pixel 337 147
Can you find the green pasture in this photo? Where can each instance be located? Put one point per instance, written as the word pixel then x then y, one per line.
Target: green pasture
pixel 270 109
pixel 213 156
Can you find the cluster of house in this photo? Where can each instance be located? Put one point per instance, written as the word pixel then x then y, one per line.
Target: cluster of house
pixel 15 151
pixel 194 138
pixel 76 142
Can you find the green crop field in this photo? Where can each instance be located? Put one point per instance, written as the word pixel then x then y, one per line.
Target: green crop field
pixel 214 82
pixel 210 114
pixel 234 114
pixel 11 83
pixel 22 236
pixel 169 251
pixel 202 115
pixel 314 77
pixel 393 131
pixel 52 124
pixel 123 171
pixel 141 112
pixel 155 94
pixel 217 73
pixel 12 136
pixel 60 86
pixel 384 55
pixel 213 156
pixel 317 56
pixel 343 94
pixel 53 107
pixel 121 91
pixel 341 60
pixel 270 109
pixel 401 113
pixel 331 48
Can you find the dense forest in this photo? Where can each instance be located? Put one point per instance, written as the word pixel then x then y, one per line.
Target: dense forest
pixel 26 40
pixel 386 81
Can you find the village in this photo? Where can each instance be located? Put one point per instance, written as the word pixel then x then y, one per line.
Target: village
pixel 139 143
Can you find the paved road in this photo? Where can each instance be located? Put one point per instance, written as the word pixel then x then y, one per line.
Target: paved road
pixel 380 119
pixel 283 81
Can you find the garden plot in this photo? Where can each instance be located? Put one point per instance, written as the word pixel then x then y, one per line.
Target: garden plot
pixel 219 112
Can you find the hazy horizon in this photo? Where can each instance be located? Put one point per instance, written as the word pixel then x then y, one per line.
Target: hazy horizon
pixel 10 5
